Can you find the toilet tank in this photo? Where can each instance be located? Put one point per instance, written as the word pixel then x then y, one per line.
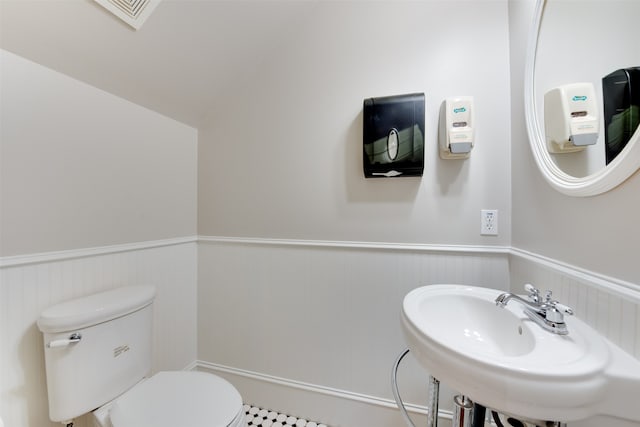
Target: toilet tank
pixel 112 354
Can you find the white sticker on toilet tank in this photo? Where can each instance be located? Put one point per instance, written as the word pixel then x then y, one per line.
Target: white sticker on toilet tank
pixel 120 349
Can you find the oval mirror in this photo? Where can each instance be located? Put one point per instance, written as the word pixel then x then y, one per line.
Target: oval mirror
pixel 582 42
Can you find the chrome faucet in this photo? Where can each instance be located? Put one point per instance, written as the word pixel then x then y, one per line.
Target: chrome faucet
pixel 546 312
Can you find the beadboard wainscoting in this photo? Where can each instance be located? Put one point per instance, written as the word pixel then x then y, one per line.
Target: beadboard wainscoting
pixel 29 284
pixel 319 322
pixel 308 328
pixel 609 305
pixel 312 327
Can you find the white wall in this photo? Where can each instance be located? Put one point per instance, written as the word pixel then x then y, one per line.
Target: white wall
pixel 581 248
pixel 281 155
pixel 82 170
pixel 281 158
pixel 599 233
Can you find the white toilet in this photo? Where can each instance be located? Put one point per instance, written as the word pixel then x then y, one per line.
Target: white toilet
pixel 98 357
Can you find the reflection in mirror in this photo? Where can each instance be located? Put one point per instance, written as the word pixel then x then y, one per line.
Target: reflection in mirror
pixel 621 92
pixel 592 42
pixel 584 42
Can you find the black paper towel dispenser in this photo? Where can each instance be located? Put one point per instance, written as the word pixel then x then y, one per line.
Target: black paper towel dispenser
pixel 393 136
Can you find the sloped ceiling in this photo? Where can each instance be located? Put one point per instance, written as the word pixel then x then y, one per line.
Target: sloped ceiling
pixel 186 56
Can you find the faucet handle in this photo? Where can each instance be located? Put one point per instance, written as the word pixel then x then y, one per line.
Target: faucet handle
pixel 556 311
pixel 565 309
pixel 532 291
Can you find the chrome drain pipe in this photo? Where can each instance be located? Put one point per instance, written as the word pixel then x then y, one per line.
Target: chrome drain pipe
pixel 462 411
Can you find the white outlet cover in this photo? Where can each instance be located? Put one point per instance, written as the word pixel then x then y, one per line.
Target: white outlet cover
pixel 489 222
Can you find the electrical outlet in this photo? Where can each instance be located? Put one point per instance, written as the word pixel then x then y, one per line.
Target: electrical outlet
pixel 489 222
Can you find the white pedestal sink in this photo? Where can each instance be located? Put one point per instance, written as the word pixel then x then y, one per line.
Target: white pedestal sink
pixel 501 359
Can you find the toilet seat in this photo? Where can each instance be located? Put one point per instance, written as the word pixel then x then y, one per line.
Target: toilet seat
pixel 188 399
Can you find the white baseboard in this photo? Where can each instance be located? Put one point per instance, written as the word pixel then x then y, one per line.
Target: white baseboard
pixel 329 405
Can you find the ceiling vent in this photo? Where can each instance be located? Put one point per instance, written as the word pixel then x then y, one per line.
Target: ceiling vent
pixel 133 12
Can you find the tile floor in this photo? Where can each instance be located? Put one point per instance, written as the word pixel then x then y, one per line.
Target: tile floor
pixel 263 417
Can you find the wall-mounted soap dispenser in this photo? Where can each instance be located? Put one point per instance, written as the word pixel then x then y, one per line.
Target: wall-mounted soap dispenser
pixel 570 117
pixel 457 124
pixel 393 136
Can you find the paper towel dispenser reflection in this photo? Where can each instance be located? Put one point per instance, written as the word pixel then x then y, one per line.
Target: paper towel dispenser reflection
pixel 621 98
pixel 457 126
pixel 570 117
pixel 393 136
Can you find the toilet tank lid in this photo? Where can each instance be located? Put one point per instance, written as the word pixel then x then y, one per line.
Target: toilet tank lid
pixel 93 309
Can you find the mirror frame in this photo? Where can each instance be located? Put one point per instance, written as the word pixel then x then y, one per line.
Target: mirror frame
pixel 615 173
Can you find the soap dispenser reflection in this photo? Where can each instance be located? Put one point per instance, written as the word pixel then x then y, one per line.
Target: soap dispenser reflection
pixel 457 124
pixel 570 117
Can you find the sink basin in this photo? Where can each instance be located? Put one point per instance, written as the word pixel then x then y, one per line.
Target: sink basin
pixel 474 326
pixel 500 358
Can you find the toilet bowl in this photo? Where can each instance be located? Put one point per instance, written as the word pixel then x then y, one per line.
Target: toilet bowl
pixel 169 399
pixel 98 355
